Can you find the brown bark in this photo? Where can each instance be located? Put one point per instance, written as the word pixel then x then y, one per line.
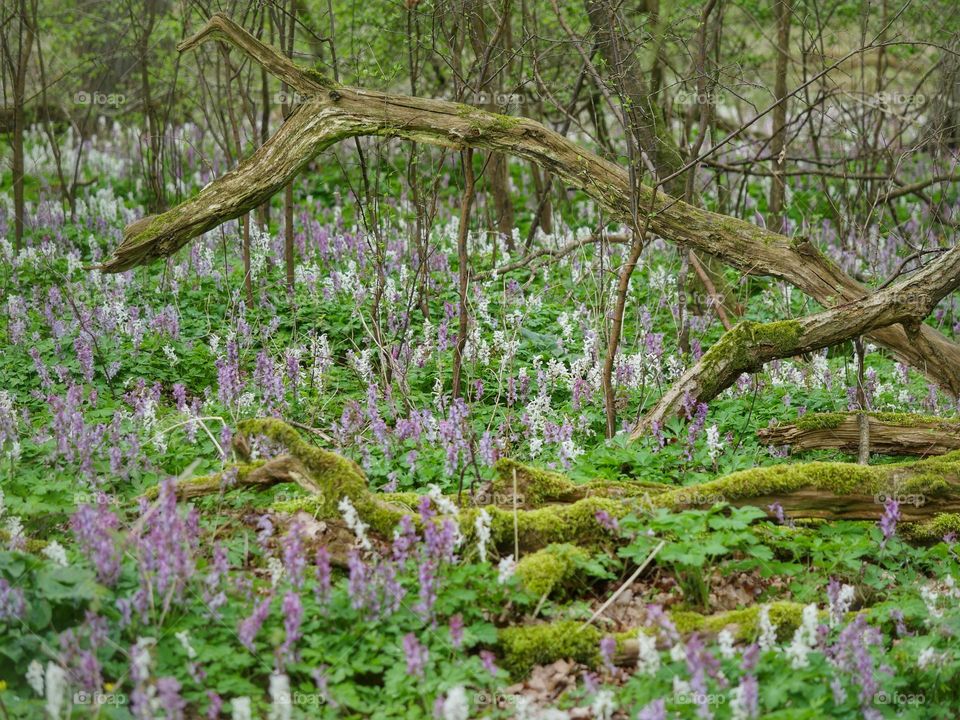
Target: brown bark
pixel 335 112
pixel 778 142
pixel 888 435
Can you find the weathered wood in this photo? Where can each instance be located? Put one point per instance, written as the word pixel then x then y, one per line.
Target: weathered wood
pixel 890 434
pixel 332 112
pixel 750 345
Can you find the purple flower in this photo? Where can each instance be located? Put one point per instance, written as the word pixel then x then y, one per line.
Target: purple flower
pixel 294 560
pixel 656 710
pixel 292 617
pixel 456 630
pixel 888 522
pixel 608 646
pixel 168 695
pixel 215 706
pixel 229 385
pixel 94 528
pixel 416 654
pixel 487 659
pixel 322 590
pixel 166 546
pixel 357 580
pixel 249 627
pixel 607 521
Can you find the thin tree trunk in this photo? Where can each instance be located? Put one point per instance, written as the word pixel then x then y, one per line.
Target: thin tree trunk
pixel 778 144
pixel 463 261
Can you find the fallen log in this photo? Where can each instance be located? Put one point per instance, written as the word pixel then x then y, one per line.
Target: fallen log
pixel 890 433
pixel 332 112
pixel 549 508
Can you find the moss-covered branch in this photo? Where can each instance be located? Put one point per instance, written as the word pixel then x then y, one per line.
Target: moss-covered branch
pixel 750 345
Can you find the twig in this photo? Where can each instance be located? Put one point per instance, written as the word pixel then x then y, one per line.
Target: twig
pixel 623 587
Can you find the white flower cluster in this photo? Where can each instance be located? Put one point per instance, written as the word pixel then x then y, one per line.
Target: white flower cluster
pixel 648 659
pixel 353 521
pixel 482 525
pixel 804 638
pixel 768 631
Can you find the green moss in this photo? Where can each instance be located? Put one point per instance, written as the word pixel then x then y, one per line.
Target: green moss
pixel 830 421
pixel 524 647
pixel 551 568
pixel 537 486
pixel 554 524
pixel 821 421
pixel 837 478
pixel 933 530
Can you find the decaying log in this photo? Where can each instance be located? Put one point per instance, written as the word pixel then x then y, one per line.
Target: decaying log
pixel 890 433
pixel 550 508
pixel 332 112
pixel 750 345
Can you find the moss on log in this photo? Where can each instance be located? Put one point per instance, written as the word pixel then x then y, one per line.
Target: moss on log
pixel 523 647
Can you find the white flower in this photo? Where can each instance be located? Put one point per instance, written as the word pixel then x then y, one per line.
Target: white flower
pixel 35 676
pixel 353 521
pixel 171 354
pixel 184 637
pixel 648 659
pixel 603 706
pixel 56 687
pixel 54 551
pixel 444 504
pixel 714 443
pixel 680 687
pixel 281 705
pixel 928 657
pixel 930 598
pixel 768 631
pixel 506 569
pixel 678 653
pixel 804 638
pixel 482 525
pixel 455 705
pixel 240 708
pixel 275 567
pixel 842 605
pixel 725 643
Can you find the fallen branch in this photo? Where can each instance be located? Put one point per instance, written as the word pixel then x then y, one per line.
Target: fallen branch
pixel 890 433
pixel 332 112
